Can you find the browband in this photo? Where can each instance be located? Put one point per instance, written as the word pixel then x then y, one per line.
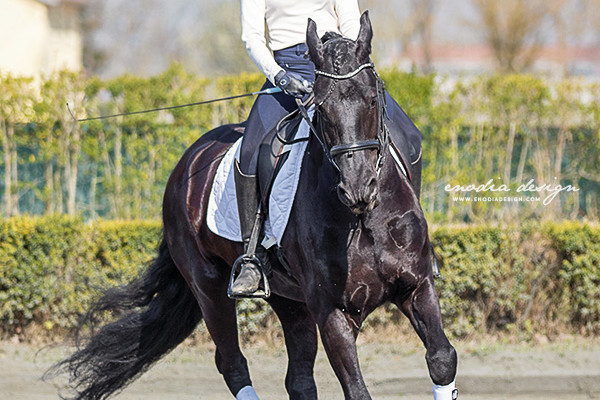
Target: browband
pixel 346 76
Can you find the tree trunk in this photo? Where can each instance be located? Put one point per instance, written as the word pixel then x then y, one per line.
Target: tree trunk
pixel 67 172
pixel 454 146
pixel 7 170
pixel 72 187
pixel 576 209
pixel 560 148
pixel 149 184
pixel 591 205
pixel 522 159
pixel 118 211
pixel 58 191
pixel 135 202
pixel 93 188
pixel 73 156
pixel 49 187
pixel 14 169
pixel 509 150
pixel 108 175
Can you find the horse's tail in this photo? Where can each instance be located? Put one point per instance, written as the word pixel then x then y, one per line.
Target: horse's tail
pixel 157 311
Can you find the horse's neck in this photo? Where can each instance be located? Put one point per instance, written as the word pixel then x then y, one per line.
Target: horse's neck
pixel 320 181
pixel 395 184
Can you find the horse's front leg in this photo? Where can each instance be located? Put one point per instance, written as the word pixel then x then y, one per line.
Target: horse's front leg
pixel 300 334
pixel 423 309
pixel 338 333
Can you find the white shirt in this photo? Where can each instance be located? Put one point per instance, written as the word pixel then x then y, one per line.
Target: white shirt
pixel 286 21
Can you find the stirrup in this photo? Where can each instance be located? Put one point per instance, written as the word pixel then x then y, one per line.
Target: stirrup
pixel 237 268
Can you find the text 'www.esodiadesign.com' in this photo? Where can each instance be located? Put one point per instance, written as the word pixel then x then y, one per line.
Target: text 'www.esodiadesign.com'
pixel 496 199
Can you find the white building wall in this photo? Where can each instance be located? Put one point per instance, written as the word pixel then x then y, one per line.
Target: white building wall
pixel 65 43
pixel 37 39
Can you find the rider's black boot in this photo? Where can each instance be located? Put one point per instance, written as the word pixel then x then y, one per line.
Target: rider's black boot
pixel 246 187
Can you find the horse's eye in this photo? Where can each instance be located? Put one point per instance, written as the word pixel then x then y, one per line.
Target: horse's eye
pixel 373 103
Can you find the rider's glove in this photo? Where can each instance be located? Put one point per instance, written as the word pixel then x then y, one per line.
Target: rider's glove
pixel 292 86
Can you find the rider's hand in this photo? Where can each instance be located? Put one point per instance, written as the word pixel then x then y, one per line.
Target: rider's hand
pixel 292 86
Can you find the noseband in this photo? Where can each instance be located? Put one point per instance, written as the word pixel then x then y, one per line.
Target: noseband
pixel 380 144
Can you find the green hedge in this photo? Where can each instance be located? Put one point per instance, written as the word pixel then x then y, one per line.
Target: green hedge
pixel 510 128
pixel 530 280
pixel 537 279
pixel 52 267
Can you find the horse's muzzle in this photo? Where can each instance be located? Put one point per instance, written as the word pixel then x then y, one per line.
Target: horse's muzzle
pixel 361 199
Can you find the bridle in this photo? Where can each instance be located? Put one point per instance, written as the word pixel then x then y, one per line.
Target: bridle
pixel 380 144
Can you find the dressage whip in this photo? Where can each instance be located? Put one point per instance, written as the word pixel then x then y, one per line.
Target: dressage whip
pixel 272 90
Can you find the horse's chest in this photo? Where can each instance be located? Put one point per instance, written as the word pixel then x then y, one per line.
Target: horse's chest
pixel 365 287
pixel 363 295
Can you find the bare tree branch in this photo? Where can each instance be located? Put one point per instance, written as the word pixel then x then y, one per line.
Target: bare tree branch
pixel 514 29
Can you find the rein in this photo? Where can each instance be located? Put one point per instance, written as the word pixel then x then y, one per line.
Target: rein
pixel 380 144
pixel 273 90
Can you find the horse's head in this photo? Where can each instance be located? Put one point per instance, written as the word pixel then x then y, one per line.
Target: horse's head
pixel 349 106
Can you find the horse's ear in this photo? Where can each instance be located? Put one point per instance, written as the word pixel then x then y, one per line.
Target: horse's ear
pixel 365 35
pixel 314 43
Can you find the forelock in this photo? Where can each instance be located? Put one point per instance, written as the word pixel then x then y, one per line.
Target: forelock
pixel 338 50
pixel 329 36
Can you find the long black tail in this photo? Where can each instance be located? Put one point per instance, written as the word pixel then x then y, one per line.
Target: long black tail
pixel 158 311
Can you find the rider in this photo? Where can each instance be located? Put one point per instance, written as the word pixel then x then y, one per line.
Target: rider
pixel 288 67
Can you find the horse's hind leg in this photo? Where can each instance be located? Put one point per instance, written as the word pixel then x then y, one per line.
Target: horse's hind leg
pixel 209 284
pixel 423 309
pixel 300 333
pixel 221 323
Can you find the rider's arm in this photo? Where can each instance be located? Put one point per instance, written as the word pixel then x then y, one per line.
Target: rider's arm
pixel 253 36
pixel 348 17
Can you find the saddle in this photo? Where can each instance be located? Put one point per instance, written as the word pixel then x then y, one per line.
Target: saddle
pixel 274 151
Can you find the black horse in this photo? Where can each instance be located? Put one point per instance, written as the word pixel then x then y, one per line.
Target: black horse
pixel 356 239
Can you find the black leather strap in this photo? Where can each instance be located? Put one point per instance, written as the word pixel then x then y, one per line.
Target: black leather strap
pixel 351 147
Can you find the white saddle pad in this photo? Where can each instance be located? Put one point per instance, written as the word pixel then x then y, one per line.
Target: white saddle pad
pixel 222 213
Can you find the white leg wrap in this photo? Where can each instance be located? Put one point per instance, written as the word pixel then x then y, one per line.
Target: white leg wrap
pixel 447 392
pixel 246 393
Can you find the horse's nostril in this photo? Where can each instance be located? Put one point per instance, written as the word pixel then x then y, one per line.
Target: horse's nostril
pixel 344 194
pixel 373 184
